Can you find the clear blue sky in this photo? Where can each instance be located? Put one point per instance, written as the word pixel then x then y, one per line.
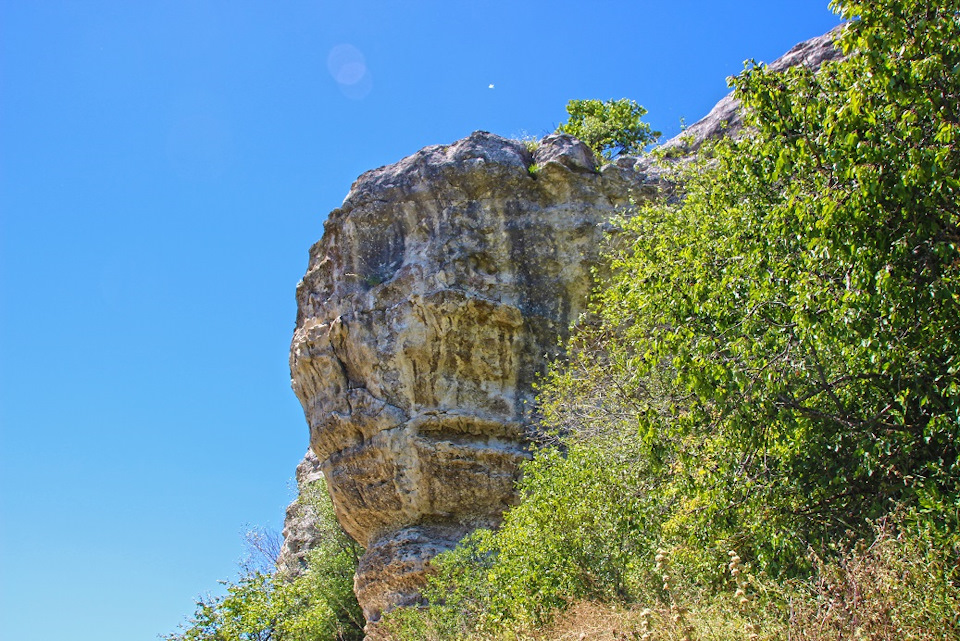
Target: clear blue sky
pixel 164 168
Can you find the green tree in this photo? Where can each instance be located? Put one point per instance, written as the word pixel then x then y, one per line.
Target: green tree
pixel 609 127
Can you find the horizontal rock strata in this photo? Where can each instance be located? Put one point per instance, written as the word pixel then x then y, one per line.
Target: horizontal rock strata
pixel 439 292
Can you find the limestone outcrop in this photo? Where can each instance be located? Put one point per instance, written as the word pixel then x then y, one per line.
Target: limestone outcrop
pixel 439 292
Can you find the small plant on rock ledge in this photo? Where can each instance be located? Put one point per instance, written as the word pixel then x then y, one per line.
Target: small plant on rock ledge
pixel 610 128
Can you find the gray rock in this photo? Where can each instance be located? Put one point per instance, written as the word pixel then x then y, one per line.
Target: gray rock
pixel 566 150
pixel 300 534
pixel 438 294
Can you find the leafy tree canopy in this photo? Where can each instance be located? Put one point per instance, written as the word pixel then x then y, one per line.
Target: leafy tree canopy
pixel 609 127
pixel 805 294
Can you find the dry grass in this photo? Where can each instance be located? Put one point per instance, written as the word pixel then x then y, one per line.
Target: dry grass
pixel 591 621
pixel 894 589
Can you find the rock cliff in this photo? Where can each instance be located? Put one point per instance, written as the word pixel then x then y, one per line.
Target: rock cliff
pixel 440 290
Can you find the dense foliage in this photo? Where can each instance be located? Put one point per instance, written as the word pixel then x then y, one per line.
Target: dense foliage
pixel 316 605
pixel 806 295
pixel 610 127
pixel 770 368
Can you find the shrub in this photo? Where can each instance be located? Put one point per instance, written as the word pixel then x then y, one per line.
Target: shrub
pixel 610 127
pixel 317 604
pixel 578 532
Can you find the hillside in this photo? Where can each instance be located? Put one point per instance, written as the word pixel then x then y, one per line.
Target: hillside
pixel 712 388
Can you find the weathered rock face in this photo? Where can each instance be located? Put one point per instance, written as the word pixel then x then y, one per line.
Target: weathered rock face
pixel 437 295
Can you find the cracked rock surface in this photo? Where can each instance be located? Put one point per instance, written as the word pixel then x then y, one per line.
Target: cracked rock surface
pixel 439 292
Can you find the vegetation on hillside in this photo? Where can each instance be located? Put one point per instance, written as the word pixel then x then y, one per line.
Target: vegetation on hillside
pixel 769 374
pixel 264 605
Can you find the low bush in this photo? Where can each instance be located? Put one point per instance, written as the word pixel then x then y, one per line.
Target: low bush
pixel 316 604
pixel 894 587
